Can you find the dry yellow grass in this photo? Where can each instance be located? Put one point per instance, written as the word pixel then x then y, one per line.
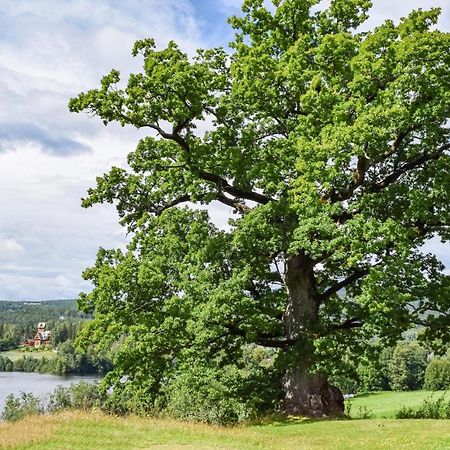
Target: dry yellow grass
pixel 97 431
pixel 27 431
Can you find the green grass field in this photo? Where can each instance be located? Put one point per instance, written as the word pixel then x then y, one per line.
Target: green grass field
pixel 14 355
pixel 387 404
pixel 88 431
pixel 94 430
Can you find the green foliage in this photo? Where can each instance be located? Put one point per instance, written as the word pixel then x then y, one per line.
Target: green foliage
pixel 60 399
pixel 82 396
pixel 67 360
pixel 7 343
pixel 18 321
pixel 6 365
pixel 437 374
pixel 86 395
pixel 219 395
pixel 330 146
pixel 430 409
pixel 362 413
pixel 197 388
pixel 346 384
pixel 17 408
pixel 207 396
pixel 392 368
pixel 407 367
pixel 373 374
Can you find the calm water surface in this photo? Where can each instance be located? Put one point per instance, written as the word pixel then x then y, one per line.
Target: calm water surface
pixel 39 384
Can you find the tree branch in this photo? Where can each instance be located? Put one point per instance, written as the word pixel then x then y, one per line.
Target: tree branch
pixel 410 165
pixel 234 203
pixel 239 206
pixel 360 172
pixel 263 340
pixel 356 275
pixel 221 182
pixel 182 199
pixel 424 228
pixel 284 343
pixel 364 163
pixel 349 324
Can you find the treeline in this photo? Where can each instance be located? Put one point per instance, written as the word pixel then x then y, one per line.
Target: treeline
pixel 67 360
pixel 408 366
pixel 18 321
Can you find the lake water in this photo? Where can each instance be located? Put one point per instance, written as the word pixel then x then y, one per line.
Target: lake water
pixel 39 384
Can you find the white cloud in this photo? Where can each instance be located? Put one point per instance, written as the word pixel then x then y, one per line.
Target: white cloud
pixel 50 53
pixel 388 9
pixel 10 248
pixel 63 281
pixel 52 50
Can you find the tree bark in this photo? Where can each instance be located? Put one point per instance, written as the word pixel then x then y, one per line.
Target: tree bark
pixel 306 393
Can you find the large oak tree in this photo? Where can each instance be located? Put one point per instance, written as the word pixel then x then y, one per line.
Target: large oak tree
pixel 330 148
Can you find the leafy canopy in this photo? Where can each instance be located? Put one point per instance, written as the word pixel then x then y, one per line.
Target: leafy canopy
pixel 323 140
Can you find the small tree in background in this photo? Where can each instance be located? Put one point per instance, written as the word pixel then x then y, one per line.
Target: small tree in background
pixel 437 374
pixel 407 366
pixel 329 147
pixel 373 373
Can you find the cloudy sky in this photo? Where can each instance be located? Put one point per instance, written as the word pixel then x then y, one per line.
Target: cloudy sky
pixel 50 50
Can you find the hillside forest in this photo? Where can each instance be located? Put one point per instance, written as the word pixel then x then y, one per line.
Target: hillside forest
pixel 18 321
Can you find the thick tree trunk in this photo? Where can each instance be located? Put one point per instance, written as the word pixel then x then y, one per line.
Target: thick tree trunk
pixel 310 395
pixel 306 393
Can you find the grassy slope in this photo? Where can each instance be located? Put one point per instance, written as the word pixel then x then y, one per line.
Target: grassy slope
pixel 14 355
pixel 89 431
pixel 386 404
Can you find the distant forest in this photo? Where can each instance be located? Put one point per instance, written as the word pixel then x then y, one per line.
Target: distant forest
pixel 18 321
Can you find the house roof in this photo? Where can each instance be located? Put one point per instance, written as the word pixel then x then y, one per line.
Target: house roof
pixel 43 335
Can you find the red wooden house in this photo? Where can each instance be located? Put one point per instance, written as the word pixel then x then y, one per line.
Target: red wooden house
pixel 42 337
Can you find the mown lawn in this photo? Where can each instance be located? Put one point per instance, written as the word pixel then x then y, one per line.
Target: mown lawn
pixel 387 404
pixel 14 355
pixel 77 430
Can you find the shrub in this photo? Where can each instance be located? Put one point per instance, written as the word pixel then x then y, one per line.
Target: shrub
pixel 60 399
pixel 437 375
pixel 206 398
pixel 220 395
pixel 18 407
pixel 363 413
pixel 429 409
pixel 5 363
pixel 85 395
pixel 8 365
pixel 18 365
pixel 78 395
